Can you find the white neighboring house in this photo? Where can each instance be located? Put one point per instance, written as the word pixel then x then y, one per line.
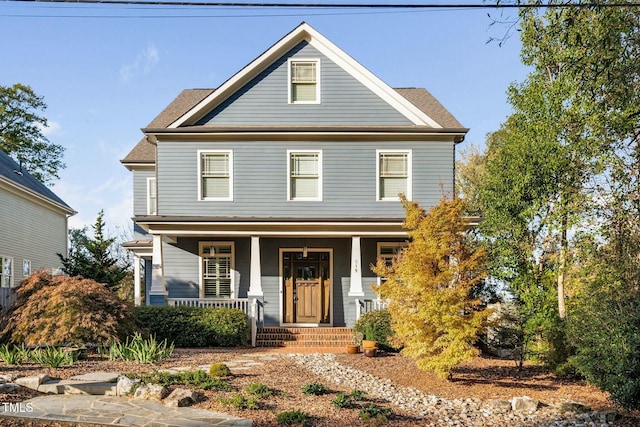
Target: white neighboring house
pixel 33 226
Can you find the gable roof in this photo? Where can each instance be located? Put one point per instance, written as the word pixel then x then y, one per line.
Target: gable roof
pixel 18 178
pixel 304 32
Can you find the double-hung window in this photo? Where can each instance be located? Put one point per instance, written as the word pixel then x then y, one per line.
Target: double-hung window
pixel 305 175
pixel 394 174
pixel 215 169
pixel 26 268
pixel 304 81
pixel 387 251
pixel 6 272
pixel 152 196
pixel 217 269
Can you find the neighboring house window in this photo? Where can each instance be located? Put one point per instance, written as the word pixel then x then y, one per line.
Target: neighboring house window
pixel 304 78
pixel 152 196
pixel 394 174
pixel 6 272
pixel 217 269
pixel 216 175
pixel 305 175
pixel 26 268
pixel 387 251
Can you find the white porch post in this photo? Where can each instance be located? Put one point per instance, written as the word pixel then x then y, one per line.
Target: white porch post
pixel 355 288
pixel 158 292
pixel 136 281
pixel 255 272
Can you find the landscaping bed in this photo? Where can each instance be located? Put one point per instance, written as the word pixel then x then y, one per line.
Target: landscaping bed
pixel 483 378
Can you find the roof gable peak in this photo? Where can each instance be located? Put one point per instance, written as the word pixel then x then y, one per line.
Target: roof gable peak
pixel 304 32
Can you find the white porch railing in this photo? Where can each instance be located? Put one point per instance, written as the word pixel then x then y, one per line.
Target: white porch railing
pixel 239 303
pixel 366 305
pixel 251 309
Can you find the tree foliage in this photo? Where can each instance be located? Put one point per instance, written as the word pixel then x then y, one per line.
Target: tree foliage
pixel 21 135
pixel 53 310
pixel 429 287
pixel 94 257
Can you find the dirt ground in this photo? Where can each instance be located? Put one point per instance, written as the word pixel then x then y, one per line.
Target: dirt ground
pixel 483 378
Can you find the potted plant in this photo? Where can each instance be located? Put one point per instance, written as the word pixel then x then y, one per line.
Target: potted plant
pixel 369 340
pixel 357 342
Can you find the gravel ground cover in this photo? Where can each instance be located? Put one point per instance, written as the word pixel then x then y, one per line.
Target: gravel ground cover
pixel 476 382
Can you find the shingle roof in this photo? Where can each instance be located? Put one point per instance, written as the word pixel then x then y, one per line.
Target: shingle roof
pixel 10 170
pixel 144 151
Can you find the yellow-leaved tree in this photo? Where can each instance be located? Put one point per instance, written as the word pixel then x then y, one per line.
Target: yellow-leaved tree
pixel 429 287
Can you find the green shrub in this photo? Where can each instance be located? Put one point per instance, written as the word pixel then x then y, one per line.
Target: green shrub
pixel 316 389
pixel 198 379
pixel 219 370
pixel 194 326
pixel 66 310
pixel 376 325
pixel 140 350
pixel 294 418
pixel 343 401
pixel 374 414
pixel 12 355
pixel 357 395
pixel 240 402
pixel 52 357
pixel 260 390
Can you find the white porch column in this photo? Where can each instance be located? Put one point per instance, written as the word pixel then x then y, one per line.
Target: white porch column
pixel 136 281
pixel 158 292
pixel 255 272
pixel 355 288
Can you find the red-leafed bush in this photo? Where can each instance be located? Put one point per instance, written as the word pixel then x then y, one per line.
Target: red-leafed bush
pixel 53 310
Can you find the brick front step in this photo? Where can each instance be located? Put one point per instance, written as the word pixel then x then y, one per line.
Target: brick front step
pixel 303 337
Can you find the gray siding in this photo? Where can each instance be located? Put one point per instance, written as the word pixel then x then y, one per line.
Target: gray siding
pixel 140 190
pixel 30 231
pixel 260 179
pixel 265 101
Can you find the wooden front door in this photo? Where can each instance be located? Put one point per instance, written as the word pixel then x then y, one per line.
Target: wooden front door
pixel 307 287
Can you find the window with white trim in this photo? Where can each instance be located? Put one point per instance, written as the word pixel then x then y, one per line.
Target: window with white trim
pixel 304 81
pixel 26 268
pixel 6 272
pixel 152 196
pixel 218 266
pixel 215 169
pixel 387 251
pixel 394 174
pixel 305 175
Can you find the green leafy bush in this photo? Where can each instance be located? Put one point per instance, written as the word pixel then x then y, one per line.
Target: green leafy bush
pixel 66 310
pixel 260 390
pixel 198 379
pixel 240 402
pixel 376 325
pixel 140 350
pixel 374 414
pixel 219 370
pixel 194 326
pixel 52 357
pixel 294 418
pixel 357 395
pixel 316 389
pixel 343 401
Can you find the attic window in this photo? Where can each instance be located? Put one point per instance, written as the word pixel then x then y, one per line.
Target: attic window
pixel 304 80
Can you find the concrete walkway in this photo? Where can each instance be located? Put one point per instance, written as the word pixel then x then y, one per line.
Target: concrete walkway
pixel 101 410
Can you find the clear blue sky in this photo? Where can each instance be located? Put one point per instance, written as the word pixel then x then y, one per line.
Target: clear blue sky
pixel 105 78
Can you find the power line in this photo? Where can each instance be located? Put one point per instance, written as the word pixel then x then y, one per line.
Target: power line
pixel 497 5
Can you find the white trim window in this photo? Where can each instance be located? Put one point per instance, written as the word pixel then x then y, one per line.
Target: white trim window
pixel 387 251
pixel 152 196
pixel 6 272
pixel 215 172
pixel 26 268
pixel 394 172
pixel 304 81
pixel 217 269
pixel 304 171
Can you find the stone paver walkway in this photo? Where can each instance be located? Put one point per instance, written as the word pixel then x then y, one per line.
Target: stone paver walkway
pixel 101 410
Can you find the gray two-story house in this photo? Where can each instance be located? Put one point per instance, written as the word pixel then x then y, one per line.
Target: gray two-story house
pixel 281 185
pixel 33 226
